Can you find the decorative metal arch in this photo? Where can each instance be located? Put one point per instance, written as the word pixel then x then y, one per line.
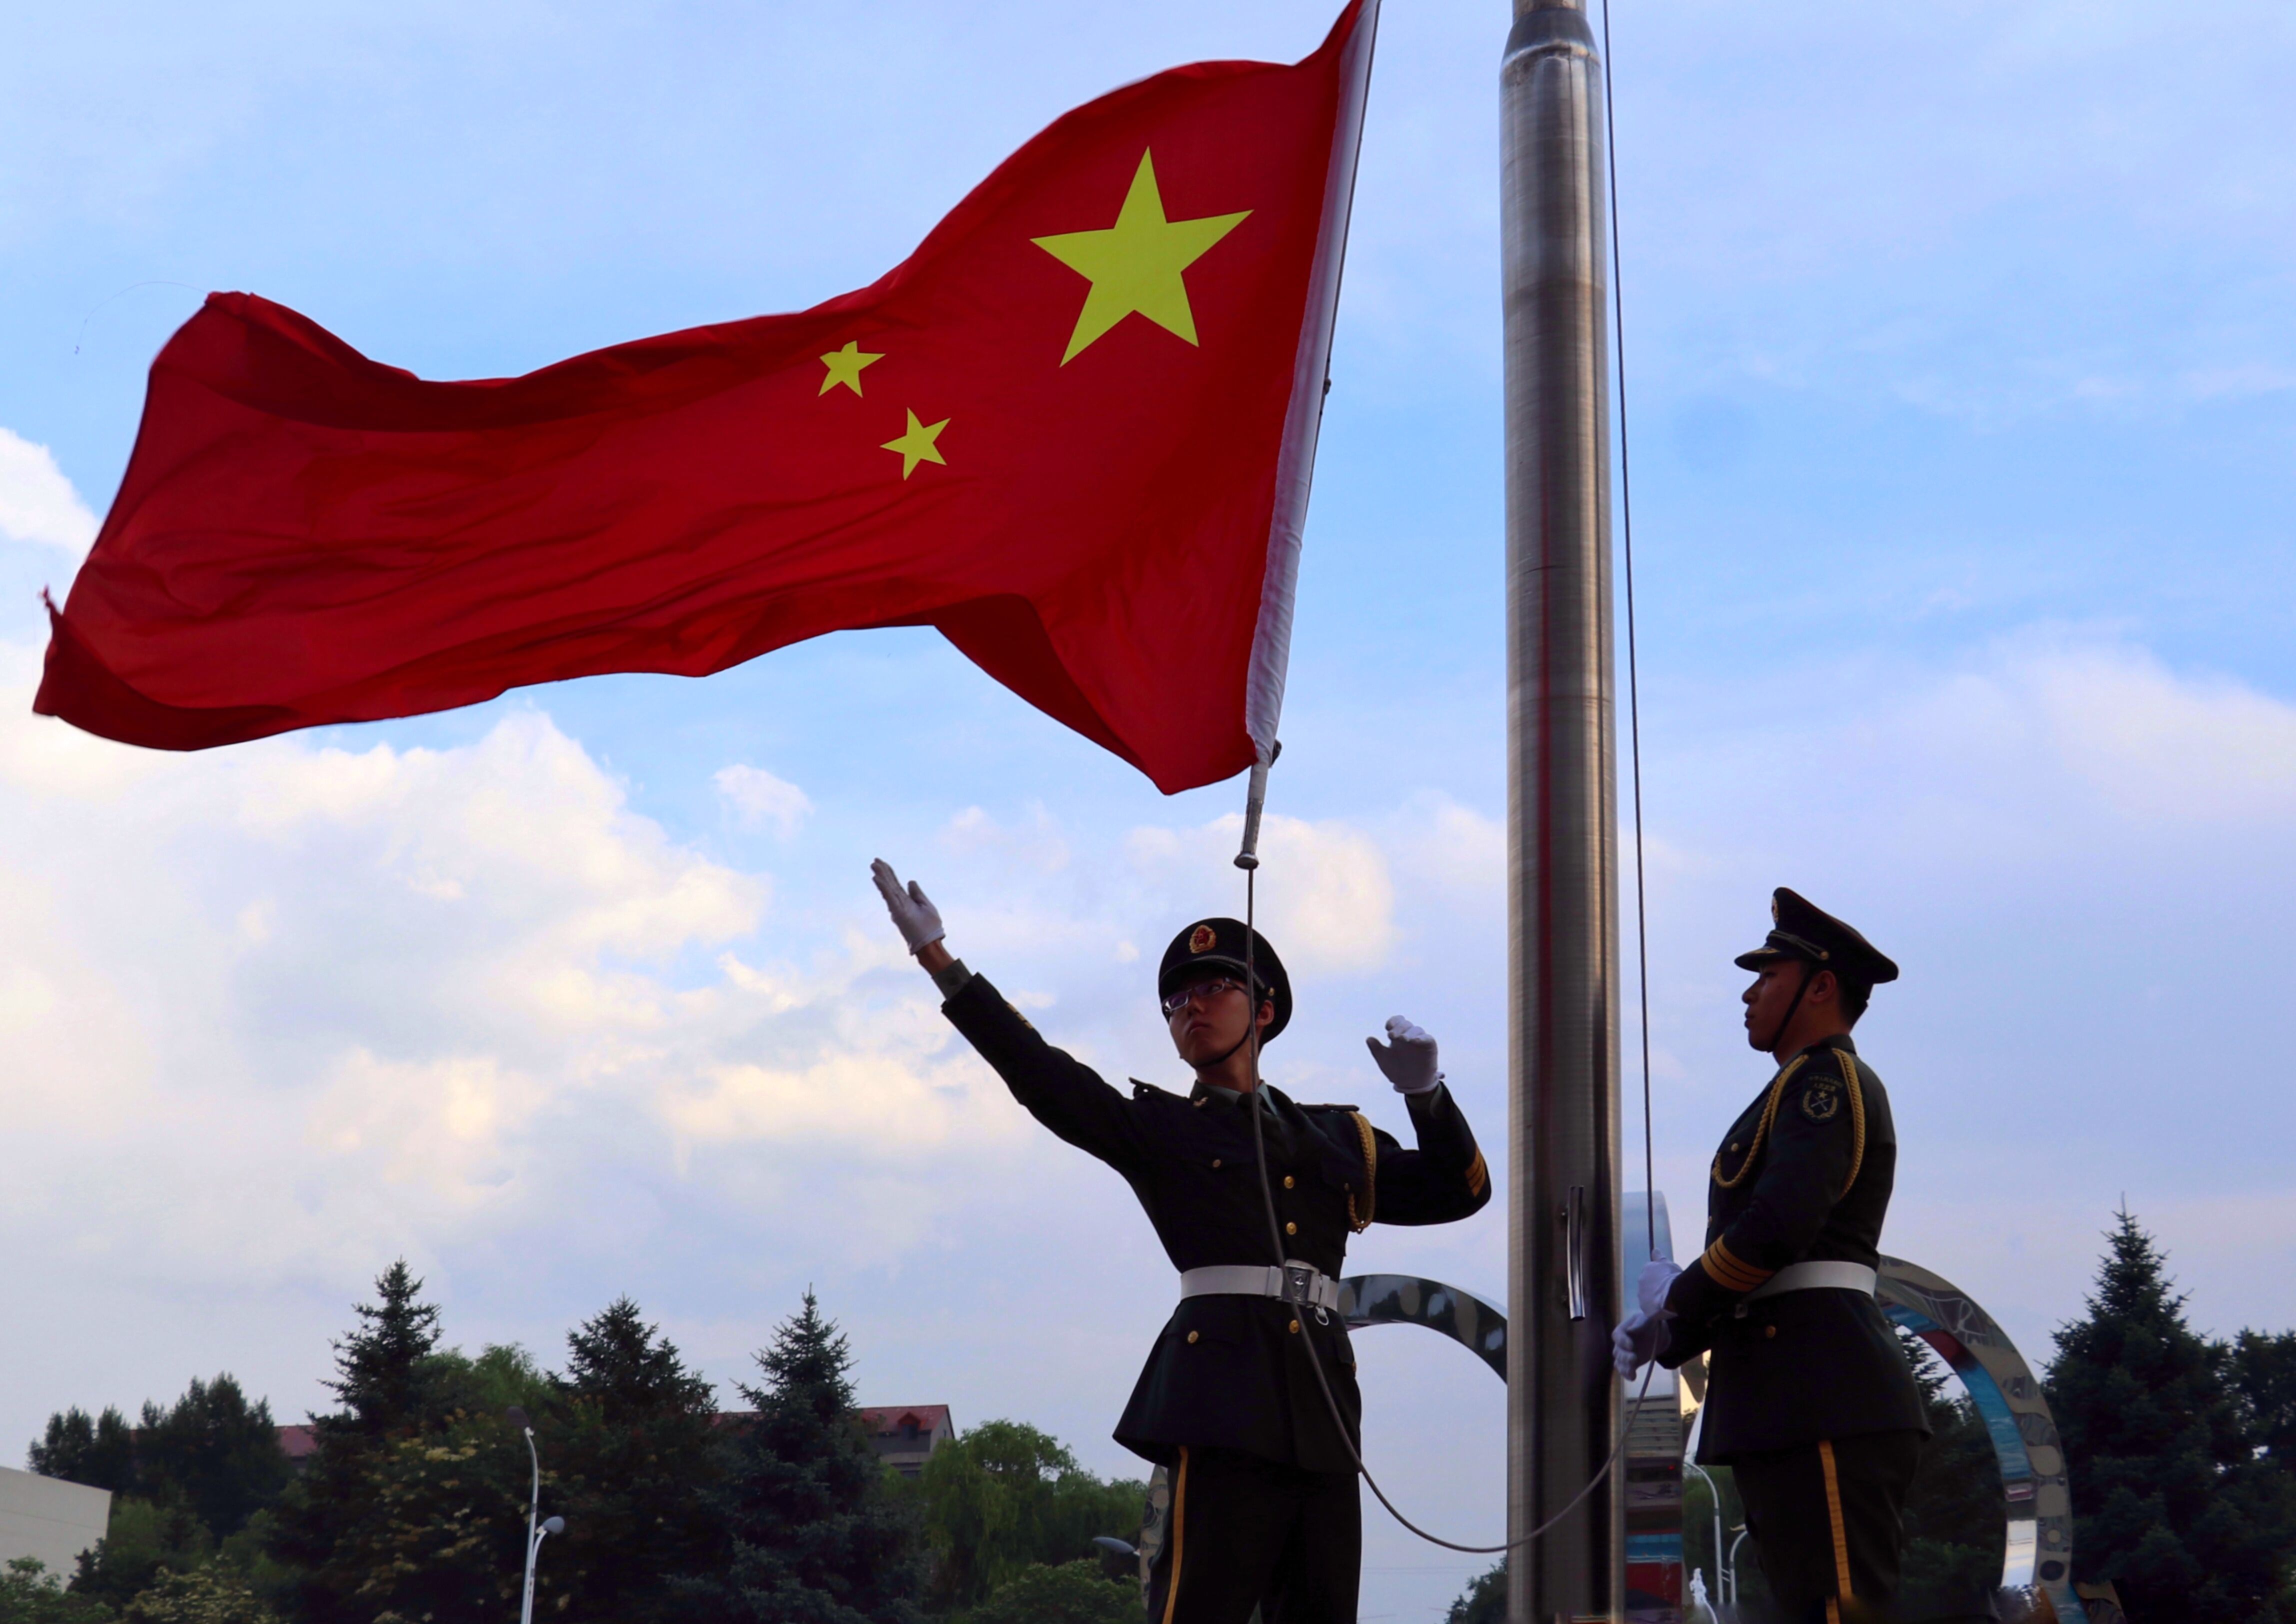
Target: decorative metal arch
pixel 2008 1400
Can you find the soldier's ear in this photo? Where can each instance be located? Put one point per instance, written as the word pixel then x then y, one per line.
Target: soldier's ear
pixel 1823 988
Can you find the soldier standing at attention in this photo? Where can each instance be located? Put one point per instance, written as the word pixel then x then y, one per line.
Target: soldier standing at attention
pixel 1809 1399
pixel 1264 1509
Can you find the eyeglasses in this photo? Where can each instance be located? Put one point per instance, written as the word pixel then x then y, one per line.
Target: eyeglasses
pixel 1180 997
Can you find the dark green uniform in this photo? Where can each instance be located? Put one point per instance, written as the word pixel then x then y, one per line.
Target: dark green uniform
pixel 1265 1508
pixel 1809 1399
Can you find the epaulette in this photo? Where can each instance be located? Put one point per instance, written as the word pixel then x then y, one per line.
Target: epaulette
pixel 1352 1109
pixel 1142 1090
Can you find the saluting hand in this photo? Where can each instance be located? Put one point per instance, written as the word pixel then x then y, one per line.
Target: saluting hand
pixel 914 914
pixel 1407 1058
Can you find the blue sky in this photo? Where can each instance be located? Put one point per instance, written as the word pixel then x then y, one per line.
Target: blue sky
pixel 1962 357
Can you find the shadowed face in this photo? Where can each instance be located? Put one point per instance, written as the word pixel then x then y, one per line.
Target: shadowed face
pixel 1770 1000
pixel 1208 1019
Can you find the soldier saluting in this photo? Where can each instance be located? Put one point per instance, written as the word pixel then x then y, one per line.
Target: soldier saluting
pixel 1264 1509
pixel 1809 1399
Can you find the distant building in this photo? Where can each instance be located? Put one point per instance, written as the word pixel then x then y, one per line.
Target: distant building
pixel 904 1436
pixel 50 1519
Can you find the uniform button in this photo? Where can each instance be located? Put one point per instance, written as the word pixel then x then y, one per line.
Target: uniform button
pixel 1734 1150
pixel 1769 1330
pixel 1216 1164
pixel 1289 1181
pixel 1290 1229
pixel 1295 1327
pixel 1192 1335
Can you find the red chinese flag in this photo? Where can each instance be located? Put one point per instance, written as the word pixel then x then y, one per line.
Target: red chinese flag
pixel 1074 430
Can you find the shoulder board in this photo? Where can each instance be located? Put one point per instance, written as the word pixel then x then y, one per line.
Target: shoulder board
pixel 1356 1110
pixel 1147 1091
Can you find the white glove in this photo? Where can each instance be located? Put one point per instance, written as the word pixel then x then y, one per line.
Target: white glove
pixel 1407 1058
pixel 914 914
pixel 1635 1343
pixel 1657 1279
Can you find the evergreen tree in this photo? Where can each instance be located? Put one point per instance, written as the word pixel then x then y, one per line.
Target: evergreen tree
pixel 2170 1504
pixel 413 1504
pixel 1955 1523
pixel 214 1452
pixel 637 1455
pixel 379 1367
pixel 99 1452
pixel 817 1536
pixel 2263 1368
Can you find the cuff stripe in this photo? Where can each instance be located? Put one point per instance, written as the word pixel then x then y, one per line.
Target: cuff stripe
pixel 1477 1175
pixel 1729 1273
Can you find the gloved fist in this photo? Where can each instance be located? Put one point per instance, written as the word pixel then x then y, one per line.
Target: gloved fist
pixel 1656 1279
pixel 1407 1058
pixel 914 914
pixel 1636 1343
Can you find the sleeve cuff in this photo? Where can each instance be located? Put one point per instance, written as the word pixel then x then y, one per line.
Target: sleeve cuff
pixel 952 978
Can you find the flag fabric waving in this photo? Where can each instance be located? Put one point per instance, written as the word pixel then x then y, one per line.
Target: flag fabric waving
pixel 1074 432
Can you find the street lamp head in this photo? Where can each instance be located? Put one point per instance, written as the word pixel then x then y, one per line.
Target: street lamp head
pixel 553 1525
pixel 516 1415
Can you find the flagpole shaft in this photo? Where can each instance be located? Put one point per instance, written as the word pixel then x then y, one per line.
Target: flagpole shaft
pixel 1563 1282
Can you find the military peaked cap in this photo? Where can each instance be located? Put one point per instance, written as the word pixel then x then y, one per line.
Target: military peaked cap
pixel 1211 945
pixel 1802 930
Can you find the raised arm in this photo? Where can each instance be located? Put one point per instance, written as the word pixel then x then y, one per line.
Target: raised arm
pixel 1058 1090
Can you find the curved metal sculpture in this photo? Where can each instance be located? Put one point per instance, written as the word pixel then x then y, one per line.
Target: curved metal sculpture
pixel 2008 1400
pixel 1406 1299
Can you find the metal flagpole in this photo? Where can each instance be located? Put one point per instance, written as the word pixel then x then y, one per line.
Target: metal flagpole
pixel 1563 894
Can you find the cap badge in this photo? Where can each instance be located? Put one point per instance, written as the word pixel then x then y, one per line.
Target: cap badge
pixel 1203 938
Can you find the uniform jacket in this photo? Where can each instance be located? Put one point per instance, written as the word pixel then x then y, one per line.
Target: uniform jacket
pixel 1232 1371
pixel 1804 1174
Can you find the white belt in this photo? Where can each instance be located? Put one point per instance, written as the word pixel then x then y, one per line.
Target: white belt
pixel 1295 1282
pixel 1816 1277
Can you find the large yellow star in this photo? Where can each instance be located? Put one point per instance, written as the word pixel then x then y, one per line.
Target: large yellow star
pixel 916 445
pixel 1136 263
pixel 845 367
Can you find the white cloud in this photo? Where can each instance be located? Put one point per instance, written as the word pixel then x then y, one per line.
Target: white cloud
pixel 37 504
pixel 1325 894
pixel 757 797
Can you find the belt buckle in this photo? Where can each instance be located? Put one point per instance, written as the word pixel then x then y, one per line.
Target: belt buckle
pixel 1299 1281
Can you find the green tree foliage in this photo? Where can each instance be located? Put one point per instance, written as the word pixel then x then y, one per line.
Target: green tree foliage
pixel 413 1506
pixel 1956 1522
pixel 145 1538
pixel 636 1456
pixel 2171 1503
pixel 214 1452
pixel 817 1536
pixel 1483 1600
pixel 2264 1370
pixel 31 1595
pixel 1006 1498
pixel 1072 1593
pixel 98 1451
pixel 207 1595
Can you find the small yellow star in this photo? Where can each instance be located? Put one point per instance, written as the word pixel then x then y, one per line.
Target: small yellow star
pixel 1136 263
pixel 917 445
pixel 845 367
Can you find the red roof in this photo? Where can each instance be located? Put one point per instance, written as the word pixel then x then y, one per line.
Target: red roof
pixel 295 1443
pixel 927 1418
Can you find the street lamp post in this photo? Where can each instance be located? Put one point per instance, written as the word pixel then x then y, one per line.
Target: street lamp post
pixel 1715 1496
pixel 535 1533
